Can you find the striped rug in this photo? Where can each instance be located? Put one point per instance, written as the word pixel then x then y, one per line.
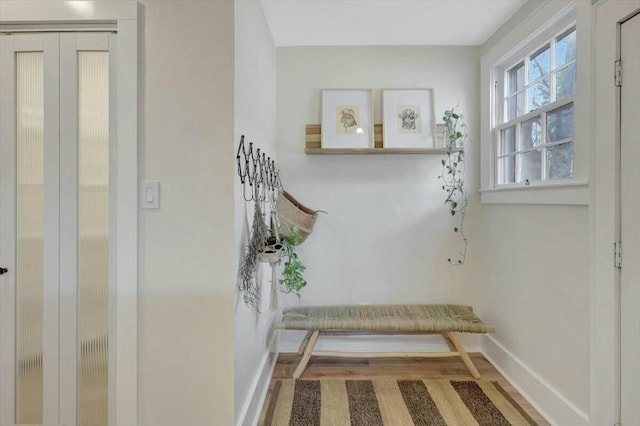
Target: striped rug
pixel 390 402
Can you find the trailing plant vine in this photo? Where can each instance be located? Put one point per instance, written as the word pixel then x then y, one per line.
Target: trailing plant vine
pixel 292 279
pixel 453 176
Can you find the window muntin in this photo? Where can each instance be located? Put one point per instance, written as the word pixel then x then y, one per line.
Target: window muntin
pixel 535 135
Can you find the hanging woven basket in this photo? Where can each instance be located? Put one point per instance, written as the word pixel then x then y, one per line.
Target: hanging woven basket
pixel 292 212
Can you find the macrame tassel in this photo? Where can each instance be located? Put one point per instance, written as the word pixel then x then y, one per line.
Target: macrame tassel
pixel 273 304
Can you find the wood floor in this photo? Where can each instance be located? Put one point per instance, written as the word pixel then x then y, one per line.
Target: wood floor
pixel 398 368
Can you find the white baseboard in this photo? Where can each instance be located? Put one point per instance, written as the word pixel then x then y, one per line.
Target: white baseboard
pixel 252 407
pixel 550 403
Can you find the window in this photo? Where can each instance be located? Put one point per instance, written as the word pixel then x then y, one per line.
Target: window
pixel 534 132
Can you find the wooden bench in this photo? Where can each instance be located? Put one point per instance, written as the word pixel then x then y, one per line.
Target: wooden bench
pixel 384 319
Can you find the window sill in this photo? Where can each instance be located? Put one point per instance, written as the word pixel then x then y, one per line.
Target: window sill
pixel 572 193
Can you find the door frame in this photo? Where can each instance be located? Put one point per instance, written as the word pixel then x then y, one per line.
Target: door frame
pixel 629 209
pixel 605 213
pixel 123 290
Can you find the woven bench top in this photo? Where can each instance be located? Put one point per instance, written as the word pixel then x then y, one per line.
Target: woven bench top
pixel 395 318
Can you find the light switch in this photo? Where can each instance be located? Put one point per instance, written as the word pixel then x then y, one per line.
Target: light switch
pixel 150 194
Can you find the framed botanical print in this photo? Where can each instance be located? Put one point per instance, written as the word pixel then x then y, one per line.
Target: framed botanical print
pixel 408 118
pixel 347 118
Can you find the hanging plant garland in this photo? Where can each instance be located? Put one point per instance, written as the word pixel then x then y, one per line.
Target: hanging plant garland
pixel 248 285
pixel 453 176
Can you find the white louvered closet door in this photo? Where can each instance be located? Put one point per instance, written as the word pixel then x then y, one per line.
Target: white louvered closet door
pixel 56 134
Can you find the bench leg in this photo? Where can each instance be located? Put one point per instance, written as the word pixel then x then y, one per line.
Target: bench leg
pixel 449 343
pixel 304 343
pixel 313 339
pixel 463 354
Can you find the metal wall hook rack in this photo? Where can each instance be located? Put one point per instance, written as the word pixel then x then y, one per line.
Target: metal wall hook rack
pixel 258 174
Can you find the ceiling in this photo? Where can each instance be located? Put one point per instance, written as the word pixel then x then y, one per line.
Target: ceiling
pixel 386 22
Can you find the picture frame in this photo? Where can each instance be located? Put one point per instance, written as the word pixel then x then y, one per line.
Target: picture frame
pixel 347 118
pixel 408 118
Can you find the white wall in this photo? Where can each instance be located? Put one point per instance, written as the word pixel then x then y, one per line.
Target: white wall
pixel 187 278
pixel 255 117
pixel 533 264
pixel 388 235
pixel 533 276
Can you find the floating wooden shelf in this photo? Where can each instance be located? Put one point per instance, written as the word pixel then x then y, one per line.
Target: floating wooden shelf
pixel 313 145
pixel 330 151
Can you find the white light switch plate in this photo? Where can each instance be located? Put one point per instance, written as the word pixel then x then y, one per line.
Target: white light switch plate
pixel 150 194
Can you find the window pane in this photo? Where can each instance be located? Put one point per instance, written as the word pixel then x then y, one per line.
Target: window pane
pixel 515 106
pixel 566 49
pixel 560 161
pixel 30 229
pixel 529 166
pixel 560 124
pixel 515 78
pixel 508 140
pixel 93 238
pixel 507 169
pixel 531 134
pixel 540 63
pixel 539 95
pixel 566 81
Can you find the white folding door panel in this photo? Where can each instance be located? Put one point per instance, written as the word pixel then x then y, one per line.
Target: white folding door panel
pixel 84 225
pixel 55 124
pixel 29 197
pixel 630 227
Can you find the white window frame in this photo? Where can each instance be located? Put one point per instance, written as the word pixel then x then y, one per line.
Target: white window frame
pixel 517 122
pixel 549 21
pixel 51 15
